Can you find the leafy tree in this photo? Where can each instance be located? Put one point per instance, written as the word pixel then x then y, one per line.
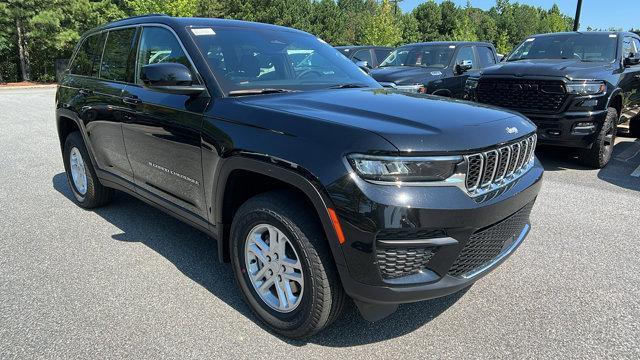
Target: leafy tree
pixel 381 28
pixel 450 17
pixel 169 7
pixel 410 28
pixel 429 18
pixel 463 30
pixel 328 22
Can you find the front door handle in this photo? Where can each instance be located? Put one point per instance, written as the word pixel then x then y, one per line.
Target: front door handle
pixel 132 100
pixel 85 92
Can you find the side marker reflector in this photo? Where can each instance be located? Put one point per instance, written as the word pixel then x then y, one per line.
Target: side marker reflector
pixel 336 225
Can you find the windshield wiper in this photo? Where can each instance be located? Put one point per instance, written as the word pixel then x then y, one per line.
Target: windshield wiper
pixel 259 91
pixel 348 86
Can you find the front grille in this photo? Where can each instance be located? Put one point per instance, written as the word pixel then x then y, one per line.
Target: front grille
pixel 496 167
pixel 486 244
pixel 522 94
pixel 395 262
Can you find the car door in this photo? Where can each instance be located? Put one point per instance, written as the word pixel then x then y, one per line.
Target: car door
pixel 162 130
pixel 455 84
pixel 630 80
pixel 100 81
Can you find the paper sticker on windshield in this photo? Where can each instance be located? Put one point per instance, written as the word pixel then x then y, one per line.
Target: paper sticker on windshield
pixel 436 73
pixel 452 46
pixel 613 35
pixel 202 31
pixel 530 39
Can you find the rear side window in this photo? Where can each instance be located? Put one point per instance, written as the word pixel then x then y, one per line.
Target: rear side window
pixel 159 45
pixel 87 59
pixel 117 55
pixel 485 56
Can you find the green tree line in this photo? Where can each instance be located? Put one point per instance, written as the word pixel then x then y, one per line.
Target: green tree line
pixel 34 33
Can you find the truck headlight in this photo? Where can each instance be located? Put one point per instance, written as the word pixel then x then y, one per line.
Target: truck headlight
pixel 404 169
pixel 586 87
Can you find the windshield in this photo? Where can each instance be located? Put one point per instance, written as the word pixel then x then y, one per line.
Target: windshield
pixel 583 47
pixel 249 59
pixel 427 56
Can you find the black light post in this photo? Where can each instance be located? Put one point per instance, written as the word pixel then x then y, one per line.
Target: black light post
pixel 576 20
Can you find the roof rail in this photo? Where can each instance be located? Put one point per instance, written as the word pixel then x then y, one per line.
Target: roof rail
pixel 141 16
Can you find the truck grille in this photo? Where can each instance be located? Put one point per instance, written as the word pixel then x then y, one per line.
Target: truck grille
pixel 395 262
pixel 487 244
pixel 496 167
pixel 522 94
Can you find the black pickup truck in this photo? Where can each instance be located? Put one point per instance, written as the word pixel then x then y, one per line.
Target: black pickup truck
pixel 317 183
pixel 575 86
pixel 438 68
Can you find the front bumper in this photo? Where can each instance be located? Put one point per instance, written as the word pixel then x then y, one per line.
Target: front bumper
pixel 560 129
pixel 443 219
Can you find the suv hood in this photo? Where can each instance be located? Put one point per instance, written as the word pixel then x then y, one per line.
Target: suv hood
pixel 405 75
pixel 570 68
pixel 411 122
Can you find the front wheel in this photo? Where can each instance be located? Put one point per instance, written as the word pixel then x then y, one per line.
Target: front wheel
pixel 81 176
pixel 600 153
pixel 283 265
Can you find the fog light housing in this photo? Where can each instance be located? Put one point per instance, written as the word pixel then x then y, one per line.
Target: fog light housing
pixel 582 128
pixel 589 103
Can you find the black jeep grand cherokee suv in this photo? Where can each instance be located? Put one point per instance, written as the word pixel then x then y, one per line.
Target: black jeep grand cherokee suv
pixel 576 87
pixel 317 182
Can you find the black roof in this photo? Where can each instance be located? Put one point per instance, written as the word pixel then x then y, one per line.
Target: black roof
pixel 176 22
pixel 456 43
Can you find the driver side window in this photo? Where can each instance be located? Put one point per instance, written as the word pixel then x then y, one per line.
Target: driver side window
pixel 159 45
pixel 466 53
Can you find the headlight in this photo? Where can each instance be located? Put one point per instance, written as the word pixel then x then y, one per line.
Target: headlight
pixel 404 169
pixel 586 87
pixel 471 83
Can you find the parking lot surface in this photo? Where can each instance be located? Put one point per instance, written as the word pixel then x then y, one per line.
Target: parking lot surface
pixel 128 281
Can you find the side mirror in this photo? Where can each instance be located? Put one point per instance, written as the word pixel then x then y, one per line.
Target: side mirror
pixel 363 65
pixel 464 65
pixel 632 59
pixel 171 78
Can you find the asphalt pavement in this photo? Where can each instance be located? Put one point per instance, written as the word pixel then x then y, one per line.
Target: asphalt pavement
pixel 128 281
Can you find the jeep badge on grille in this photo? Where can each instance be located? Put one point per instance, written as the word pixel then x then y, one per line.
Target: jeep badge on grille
pixel 512 130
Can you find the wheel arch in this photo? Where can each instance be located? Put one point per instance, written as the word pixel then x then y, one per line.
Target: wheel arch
pixel 65 126
pixel 228 196
pixel 616 102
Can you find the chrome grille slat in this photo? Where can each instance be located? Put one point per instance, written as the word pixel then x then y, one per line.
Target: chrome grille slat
pixel 494 168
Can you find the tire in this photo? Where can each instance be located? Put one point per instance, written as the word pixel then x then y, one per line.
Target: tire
pixel 88 193
pixel 600 153
pixel 320 299
pixel 634 126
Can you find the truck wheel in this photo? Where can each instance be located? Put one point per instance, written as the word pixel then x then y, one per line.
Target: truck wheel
pixel 634 126
pixel 600 153
pixel 82 179
pixel 283 265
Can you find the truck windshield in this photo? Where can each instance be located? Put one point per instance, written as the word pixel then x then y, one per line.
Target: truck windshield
pixel 596 47
pixel 245 61
pixel 426 56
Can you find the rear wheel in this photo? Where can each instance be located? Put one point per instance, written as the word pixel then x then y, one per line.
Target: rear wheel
pixel 81 176
pixel 600 153
pixel 283 265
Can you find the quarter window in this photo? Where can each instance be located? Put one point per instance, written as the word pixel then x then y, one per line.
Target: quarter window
pixel 117 54
pixel 87 59
pixel 159 45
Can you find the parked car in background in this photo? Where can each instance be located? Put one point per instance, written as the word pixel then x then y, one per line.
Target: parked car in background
pixel 575 86
pixel 317 183
pixel 372 55
pixel 439 68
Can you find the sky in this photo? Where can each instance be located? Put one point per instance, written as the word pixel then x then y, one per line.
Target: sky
pixel 601 14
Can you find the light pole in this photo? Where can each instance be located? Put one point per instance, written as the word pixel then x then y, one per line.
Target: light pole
pixel 576 20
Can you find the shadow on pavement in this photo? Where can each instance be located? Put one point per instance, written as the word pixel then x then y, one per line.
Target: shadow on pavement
pixel 195 255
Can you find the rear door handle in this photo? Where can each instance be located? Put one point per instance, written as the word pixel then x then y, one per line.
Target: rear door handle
pixel 132 100
pixel 85 92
